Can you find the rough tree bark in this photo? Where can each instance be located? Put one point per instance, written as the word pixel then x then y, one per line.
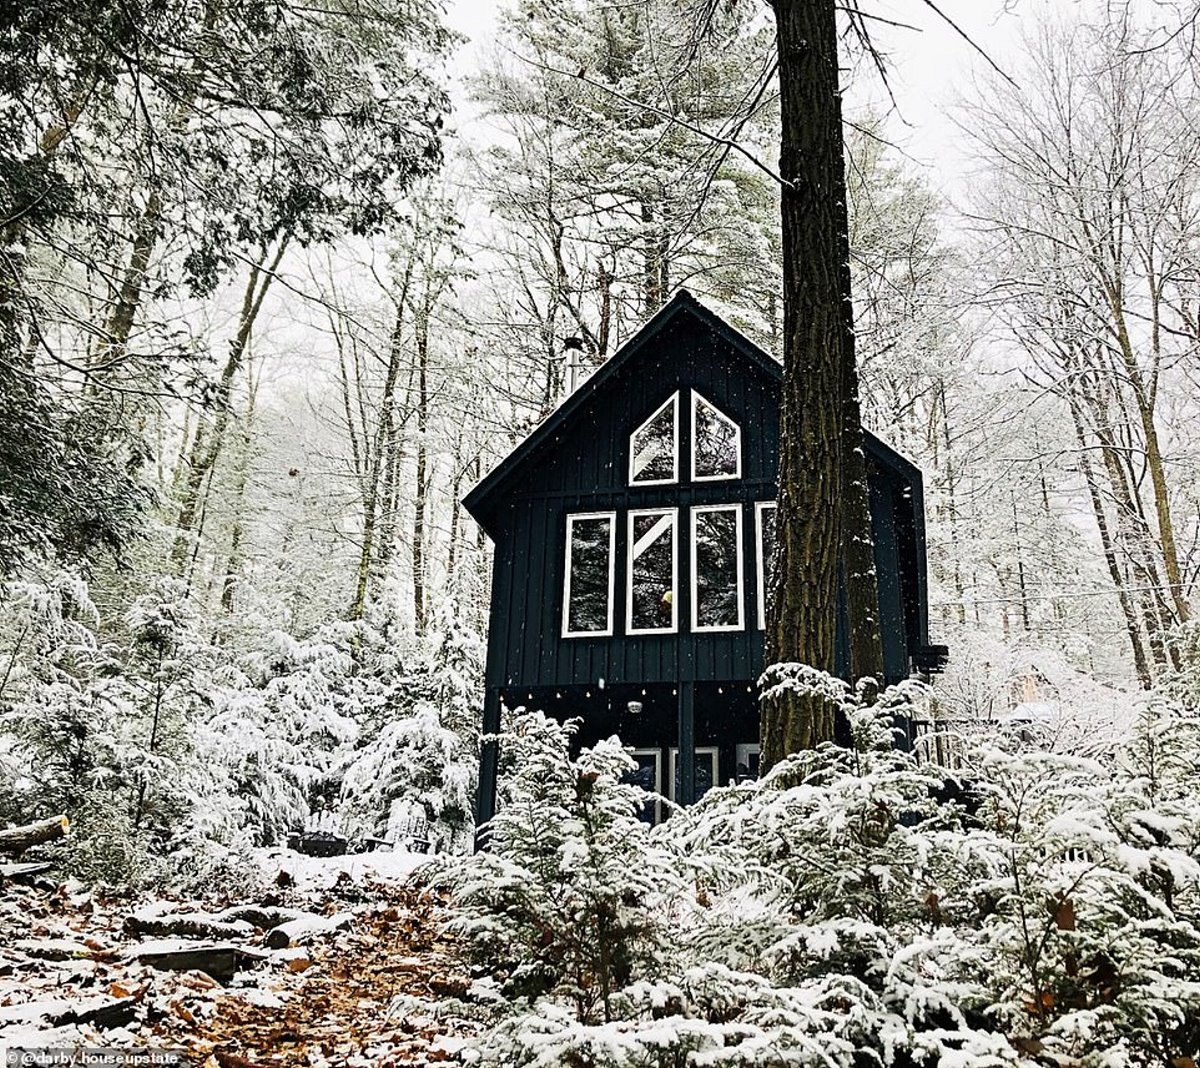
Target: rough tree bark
pixel 803 610
pixel 15 840
pixel 129 298
pixel 862 582
pixel 421 482
pixel 377 461
pixel 1095 496
pixel 237 531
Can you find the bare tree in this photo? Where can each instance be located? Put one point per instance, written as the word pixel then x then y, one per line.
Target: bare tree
pixel 1092 218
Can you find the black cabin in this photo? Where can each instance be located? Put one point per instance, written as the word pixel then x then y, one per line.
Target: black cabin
pixel 632 529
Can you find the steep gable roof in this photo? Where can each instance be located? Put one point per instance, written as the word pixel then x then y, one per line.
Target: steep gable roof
pixel 485 496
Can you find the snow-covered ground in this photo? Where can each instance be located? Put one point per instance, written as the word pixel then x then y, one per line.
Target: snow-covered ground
pixel 317 874
pixel 364 955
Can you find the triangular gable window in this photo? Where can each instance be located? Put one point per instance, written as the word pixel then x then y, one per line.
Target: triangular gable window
pixel 716 442
pixel 654 447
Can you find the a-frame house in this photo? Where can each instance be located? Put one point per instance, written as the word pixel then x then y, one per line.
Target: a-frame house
pixel 632 534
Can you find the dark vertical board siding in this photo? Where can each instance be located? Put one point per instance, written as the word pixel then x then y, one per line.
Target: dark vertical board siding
pixel 915 563
pixel 497 652
pixel 911 566
pixel 516 584
pixel 584 468
pixel 891 608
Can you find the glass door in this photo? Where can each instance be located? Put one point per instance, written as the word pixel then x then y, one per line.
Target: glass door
pixel 648 775
pixel 706 770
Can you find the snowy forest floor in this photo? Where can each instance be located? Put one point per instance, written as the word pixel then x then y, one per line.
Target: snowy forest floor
pixel 73 971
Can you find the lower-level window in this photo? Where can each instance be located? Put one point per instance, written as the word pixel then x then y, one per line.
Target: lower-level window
pixel 746 755
pixel 717 568
pixel 588 585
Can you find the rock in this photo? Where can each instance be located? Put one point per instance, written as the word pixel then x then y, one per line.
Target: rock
pixel 220 960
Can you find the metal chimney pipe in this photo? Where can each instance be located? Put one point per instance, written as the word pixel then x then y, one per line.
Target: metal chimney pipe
pixel 573 355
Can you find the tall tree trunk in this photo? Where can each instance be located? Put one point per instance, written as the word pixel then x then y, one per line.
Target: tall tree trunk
pixel 604 330
pixel 206 445
pixel 951 509
pixel 652 265
pixel 129 298
pixel 862 584
pixel 1020 557
pixel 1132 627
pixel 390 492
pixel 185 437
pixel 1144 396
pixel 803 610
pixel 1133 528
pixel 459 470
pixel 374 480
pixel 233 562
pixel 419 503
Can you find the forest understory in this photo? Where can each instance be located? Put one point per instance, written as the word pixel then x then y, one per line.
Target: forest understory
pixel 280 282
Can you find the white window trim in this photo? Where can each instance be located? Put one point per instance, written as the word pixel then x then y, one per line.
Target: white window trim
pixel 658 783
pixel 572 517
pixel 760 561
pixel 674 760
pixel 742 753
pixel 737 439
pixel 629 627
pixel 741 570
pixel 673 402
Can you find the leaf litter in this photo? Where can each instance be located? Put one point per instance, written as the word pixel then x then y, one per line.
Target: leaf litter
pixel 367 977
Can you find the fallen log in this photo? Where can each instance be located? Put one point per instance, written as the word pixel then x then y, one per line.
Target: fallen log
pixel 299 931
pixel 56 949
pixel 24 872
pixel 102 1013
pixel 15 840
pixel 264 917
pixel 188 925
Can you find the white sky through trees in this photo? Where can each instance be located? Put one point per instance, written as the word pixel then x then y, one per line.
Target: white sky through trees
pixel 930 65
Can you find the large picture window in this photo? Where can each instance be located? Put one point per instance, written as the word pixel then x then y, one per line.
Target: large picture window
pixel 717 568
pixel 716 442
pixel 654 447
pixel 764 521
pixel 651 604
pixel 588 586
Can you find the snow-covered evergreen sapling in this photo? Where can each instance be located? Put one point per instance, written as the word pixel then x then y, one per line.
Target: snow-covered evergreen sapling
pixel 418 739
pixel 571 896
pixel 843 912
